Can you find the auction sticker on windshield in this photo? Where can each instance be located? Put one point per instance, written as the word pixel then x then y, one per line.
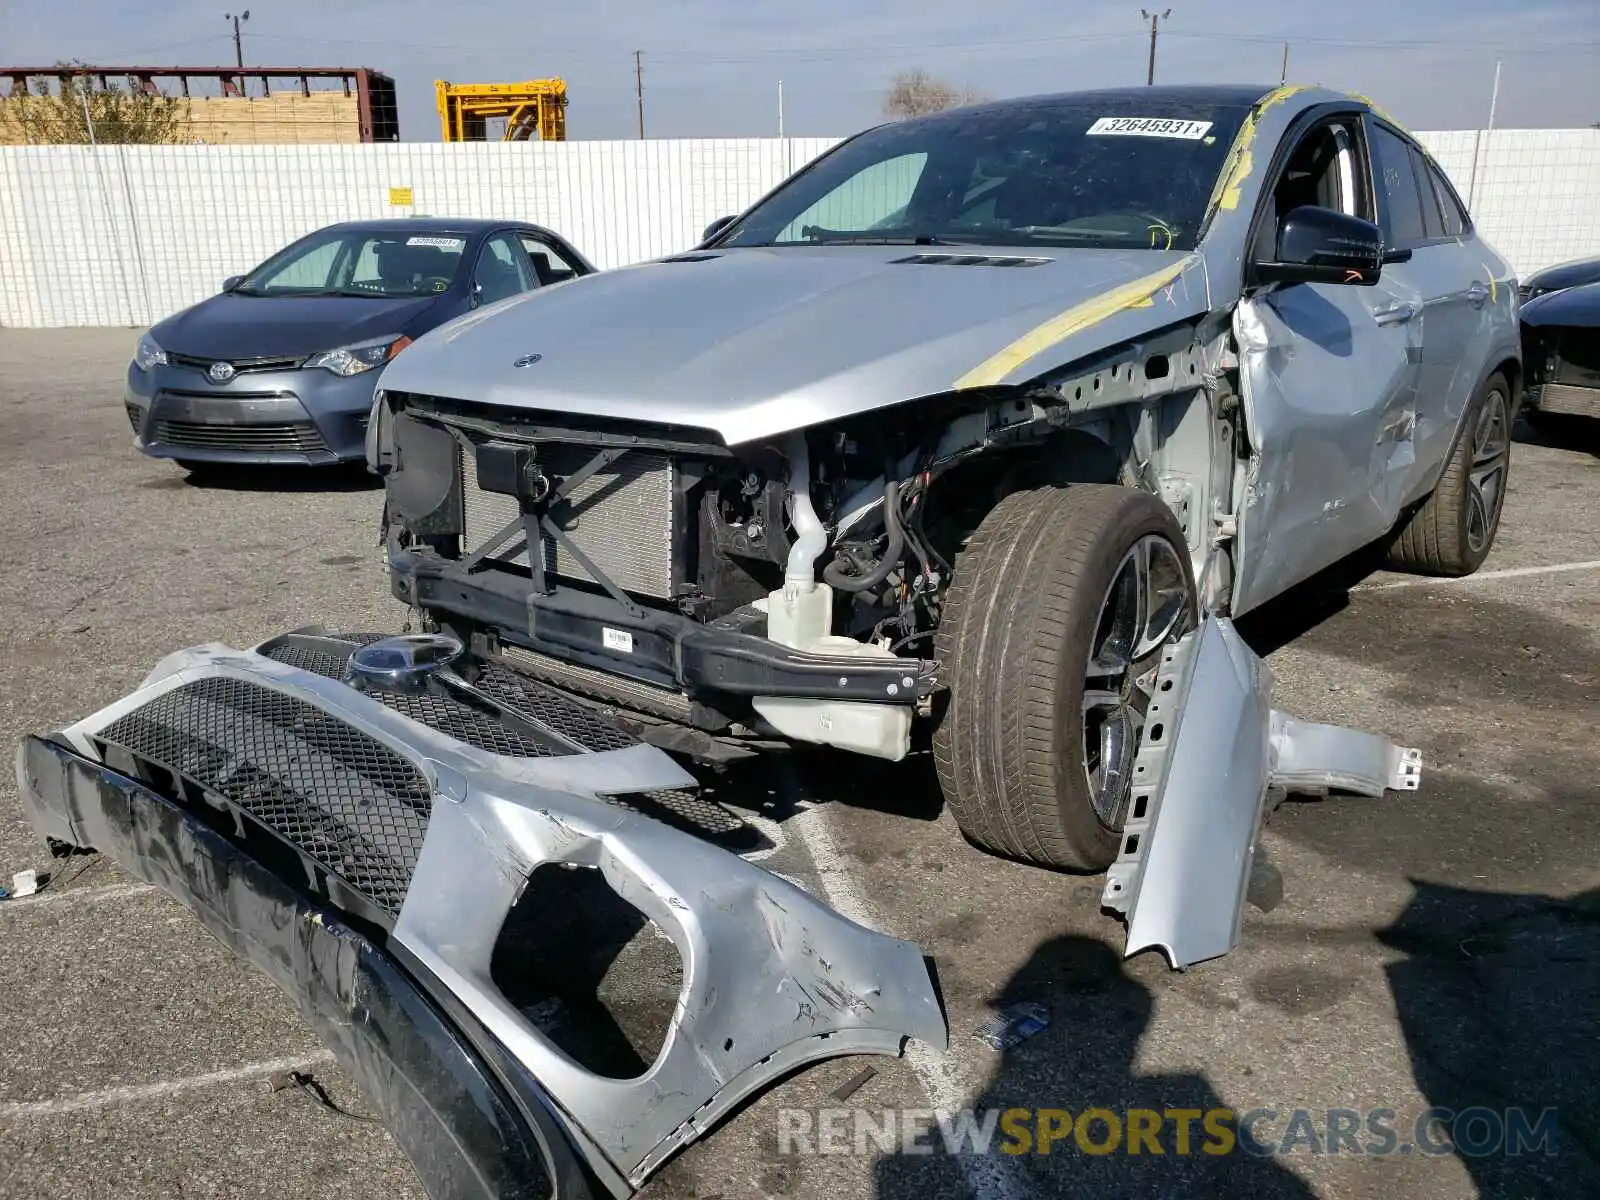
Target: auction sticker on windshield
pixel 1163 127
pixel 444 243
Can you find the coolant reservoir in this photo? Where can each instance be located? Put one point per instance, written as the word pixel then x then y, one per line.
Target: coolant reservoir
pixel 802 620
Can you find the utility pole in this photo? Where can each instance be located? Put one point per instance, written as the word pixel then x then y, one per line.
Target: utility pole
pixel 780 108
pixel 1154 19
pixel 238 45
pixel 1494 98
pixel 638 90
pixel 1283 76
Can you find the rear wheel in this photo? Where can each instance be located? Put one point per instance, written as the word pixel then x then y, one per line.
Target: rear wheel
pixel 1452 531
pixel 1059 606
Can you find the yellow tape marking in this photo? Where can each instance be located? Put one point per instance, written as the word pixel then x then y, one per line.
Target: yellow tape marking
pixel 1136 294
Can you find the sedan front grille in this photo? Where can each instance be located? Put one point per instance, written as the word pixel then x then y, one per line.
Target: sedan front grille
pixel 241 366
pixel 295 437
pixel 620 518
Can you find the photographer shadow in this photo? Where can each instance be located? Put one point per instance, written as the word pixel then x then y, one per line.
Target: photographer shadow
pixel 1084 1060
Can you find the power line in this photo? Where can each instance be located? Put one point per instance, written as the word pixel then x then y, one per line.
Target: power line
pixel 878 50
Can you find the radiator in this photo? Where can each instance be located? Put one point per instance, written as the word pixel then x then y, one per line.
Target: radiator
pixel 620 518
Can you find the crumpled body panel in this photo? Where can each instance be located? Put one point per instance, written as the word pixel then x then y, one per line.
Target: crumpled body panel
pixel 772 978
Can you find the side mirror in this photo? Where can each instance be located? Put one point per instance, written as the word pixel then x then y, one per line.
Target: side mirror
pixel 231 282
pixel 1320 245
pixel 716 227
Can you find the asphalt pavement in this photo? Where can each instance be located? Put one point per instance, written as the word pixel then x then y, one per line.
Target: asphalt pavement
pixel 1433 951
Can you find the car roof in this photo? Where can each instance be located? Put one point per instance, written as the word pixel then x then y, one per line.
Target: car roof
pixel 1236 95
pixel 465 225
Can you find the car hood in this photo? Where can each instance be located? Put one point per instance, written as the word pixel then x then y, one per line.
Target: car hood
pixel 1570 306
pixel 1564 275
pixel 751 343
pixel 234 327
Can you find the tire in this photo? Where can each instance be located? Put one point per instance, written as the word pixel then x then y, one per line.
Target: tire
pixel 1020 623
pixel 1452 531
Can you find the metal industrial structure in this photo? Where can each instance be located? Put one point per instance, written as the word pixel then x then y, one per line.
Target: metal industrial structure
pixel 532 109
pixel 342 104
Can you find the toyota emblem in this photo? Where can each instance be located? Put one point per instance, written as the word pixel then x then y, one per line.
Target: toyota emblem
pixel 220 372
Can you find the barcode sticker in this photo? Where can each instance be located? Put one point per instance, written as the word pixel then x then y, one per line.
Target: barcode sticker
pixel 1162 127
pixel 619 640
pixel 444 243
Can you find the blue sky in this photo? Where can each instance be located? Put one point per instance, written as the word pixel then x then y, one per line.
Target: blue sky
pixel 711 67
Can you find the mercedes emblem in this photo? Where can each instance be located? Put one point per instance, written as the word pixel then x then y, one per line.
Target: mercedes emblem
pixel 402 663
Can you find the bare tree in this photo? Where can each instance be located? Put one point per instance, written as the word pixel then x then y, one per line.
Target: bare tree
pixel 64 117
pixel 916 93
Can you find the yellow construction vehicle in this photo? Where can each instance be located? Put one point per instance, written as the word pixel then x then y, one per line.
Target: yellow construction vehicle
pixel 535 108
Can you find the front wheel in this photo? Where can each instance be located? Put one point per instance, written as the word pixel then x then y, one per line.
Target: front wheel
pixel 1050 638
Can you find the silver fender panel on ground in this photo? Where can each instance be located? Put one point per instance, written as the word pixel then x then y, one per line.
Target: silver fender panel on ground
pixel 1214 750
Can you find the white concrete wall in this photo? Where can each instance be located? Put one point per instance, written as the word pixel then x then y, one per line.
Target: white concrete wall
pixel 124 235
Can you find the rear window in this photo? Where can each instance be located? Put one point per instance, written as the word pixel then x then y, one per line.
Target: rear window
pixel 1122 172
pixel 1399 203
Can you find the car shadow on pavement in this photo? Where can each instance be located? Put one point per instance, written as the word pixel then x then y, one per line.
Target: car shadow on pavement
pixel 1298 611
pixel 1557 431
pixel 232 477
pixel 1497 995
pixel 1084 1060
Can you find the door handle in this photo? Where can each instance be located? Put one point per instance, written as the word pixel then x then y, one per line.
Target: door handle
pixel 1478 294
pixel 1397 313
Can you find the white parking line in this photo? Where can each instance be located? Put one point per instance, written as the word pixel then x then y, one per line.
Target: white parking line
pixel 21 1110
pixel 48 899
pixel 988 1176
pixel 1592 564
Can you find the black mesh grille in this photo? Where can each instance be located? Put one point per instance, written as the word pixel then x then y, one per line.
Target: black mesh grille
pixel 314 658
pixel 341 797
pixel 684 810
pixel 436 709
pixel 548 707
pixel 134 415
pixel 464 723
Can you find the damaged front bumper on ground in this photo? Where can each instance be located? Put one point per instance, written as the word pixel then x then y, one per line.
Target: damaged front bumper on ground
pixel 366 844
pixel 367 860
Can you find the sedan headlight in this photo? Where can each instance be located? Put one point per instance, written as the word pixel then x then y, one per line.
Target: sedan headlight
pixel 363 356
pixel 147 354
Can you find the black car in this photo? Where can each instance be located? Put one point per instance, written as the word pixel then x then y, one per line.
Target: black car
pixel 1561 342
pixel 280 367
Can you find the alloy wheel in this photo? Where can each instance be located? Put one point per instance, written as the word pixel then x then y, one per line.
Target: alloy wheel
pixel 1145 605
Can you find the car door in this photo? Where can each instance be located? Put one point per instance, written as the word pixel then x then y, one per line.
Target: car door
pixel 1479 278
pixel 1328 375
pixel 1453 286
pixel 502 270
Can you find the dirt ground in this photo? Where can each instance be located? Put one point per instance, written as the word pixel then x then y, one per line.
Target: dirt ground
pixel 1432 950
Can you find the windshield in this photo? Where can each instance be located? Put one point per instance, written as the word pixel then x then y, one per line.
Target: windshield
pixel 1112 171
pixel 360 263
